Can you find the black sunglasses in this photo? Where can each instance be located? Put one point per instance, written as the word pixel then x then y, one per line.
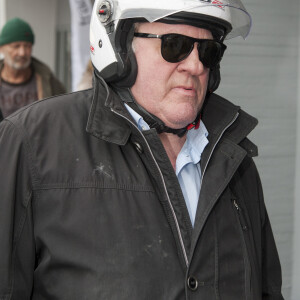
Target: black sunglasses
pixel 177 47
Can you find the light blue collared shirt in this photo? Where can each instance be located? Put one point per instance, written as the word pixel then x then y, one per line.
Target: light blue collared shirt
pixel 188 169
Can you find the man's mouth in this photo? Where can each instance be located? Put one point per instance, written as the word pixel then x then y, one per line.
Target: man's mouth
pixel 186 91
pixel 21 59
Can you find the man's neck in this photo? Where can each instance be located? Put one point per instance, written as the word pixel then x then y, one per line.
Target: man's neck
pixel 172 144
pixel 11 75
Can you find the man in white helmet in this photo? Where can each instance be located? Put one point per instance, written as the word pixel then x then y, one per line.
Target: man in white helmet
pixel 144 186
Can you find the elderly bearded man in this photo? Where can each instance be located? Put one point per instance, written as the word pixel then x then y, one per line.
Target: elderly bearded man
pixel 23 78
pixel 144 186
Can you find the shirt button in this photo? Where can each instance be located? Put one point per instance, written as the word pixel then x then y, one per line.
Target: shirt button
pixel 138 147
pixel 192 283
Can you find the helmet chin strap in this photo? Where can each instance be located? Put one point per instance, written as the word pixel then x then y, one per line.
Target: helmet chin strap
pixel 149 118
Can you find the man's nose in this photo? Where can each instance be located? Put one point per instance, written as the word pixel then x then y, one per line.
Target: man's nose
pixel 192 63
pixel 22 51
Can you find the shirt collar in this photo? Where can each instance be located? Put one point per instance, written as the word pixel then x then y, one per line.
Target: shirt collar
pixel 141 124
pixel 193 147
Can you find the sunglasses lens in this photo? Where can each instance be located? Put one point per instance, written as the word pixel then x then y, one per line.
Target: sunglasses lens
pixel 210 53
pixel 175 47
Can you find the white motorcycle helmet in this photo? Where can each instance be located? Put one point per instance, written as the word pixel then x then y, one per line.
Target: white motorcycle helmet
pixel 112 29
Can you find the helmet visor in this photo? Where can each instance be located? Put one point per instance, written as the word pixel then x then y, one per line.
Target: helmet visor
pixel 231 11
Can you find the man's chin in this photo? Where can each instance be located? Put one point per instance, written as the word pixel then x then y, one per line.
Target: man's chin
pixel 180 123
pixel 18 66
pixel 183 119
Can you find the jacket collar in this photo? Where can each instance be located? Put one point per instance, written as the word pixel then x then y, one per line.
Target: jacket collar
pixel 106 118
pixel 218 113
pixel 107 112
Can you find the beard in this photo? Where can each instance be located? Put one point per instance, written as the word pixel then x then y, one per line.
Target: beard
pixel 18 63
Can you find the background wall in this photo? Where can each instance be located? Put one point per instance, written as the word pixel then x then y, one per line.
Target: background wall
pixel 2 12
pixel 296 240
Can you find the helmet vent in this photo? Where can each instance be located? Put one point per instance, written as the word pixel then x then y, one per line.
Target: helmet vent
pixel 105 11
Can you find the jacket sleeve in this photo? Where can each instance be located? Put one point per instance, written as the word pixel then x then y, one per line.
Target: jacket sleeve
pixel 269 275
pixel 17 247
pixel 271 269
pixel 270 263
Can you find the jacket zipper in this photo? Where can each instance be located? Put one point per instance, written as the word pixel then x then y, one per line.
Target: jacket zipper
pixel 214 147
pixel 243 228
pixel 165 189
pixel 240 215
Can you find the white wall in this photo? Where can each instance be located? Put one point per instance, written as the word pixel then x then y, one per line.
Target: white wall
pixel 261 75
pixel 41 15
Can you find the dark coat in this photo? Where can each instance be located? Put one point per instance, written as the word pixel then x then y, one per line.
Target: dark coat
pixel 47 84
pixel 90 208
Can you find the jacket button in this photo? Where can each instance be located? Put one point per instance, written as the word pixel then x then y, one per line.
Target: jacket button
pixel 192 283
pixel 138 147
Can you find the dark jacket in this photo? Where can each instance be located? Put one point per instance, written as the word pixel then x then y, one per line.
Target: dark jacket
pixel 90 208
pixel 47 84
